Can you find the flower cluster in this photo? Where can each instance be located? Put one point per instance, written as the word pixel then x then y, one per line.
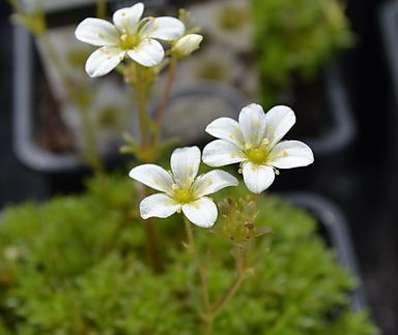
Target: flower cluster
pixel 133 36
pixel 254 142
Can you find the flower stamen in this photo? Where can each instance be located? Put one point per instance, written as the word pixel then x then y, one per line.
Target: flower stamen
pixel 183 196
pixel 129 41
pixel 257 155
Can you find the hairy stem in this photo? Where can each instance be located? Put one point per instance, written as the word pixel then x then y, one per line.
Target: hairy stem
pixel 152 244
pixel 240 267
pixel 141 92
pixel 206 318
pixel 141 97
pixel 159 115
pixel 218 307
pixel 90 153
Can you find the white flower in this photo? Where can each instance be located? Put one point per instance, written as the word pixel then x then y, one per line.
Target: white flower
pixel 187 44
pixel 129 35
pixel 182 189
pixel 254 142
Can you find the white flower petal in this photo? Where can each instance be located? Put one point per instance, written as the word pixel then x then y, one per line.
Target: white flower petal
pixel 146 27
pixel 149 53
pixel 252 124
pixel 257 177
pixel 279 120
pixel 221 153
pixel 158 205
pixel 103 61
pixel 227 129
pixel 167 28
pixel 184 164
pixel 187 44
pixel 97 32
pixel 152 176
pixel 291 154
pixel 202 212
pixel 212 182
pixel 126 19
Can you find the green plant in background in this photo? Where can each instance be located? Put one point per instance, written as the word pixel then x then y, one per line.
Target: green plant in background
pixel 295 38
pixel 76 265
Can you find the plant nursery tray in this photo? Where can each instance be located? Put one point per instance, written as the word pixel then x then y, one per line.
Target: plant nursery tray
pixel 337 125
pixel 334 229
pixel 43 140
pixel 28 82
pixel 336 135
pixel 338 128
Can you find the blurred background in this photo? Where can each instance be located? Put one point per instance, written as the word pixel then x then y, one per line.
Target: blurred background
pixel 336 63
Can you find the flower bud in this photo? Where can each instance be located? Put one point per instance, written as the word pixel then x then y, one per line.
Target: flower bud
pixel 187 44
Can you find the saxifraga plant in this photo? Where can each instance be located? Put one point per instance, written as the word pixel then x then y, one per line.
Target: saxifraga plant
pixel 91 265
pixel 76 265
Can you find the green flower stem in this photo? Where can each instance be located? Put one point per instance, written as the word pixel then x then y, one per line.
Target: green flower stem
pixel 152 246
pixel 219 305
pixel 101 9
pixel 205 315
pixel 159 115
pixel 142 90
pixel 142 93
pixel 142 116
pixel 90 153
pixel 240 265
pixel 211 311
pixel 152 240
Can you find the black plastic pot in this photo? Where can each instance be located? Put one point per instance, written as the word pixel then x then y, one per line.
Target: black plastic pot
pixel 334 229
pixel 332 147
pixel 25 93
pixel 189 124
pixel 337 136
pixel 388 18
pixel 64 172
pixel 342 129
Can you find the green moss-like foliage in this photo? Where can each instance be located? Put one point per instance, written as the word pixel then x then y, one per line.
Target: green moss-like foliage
pixel 76 265
pixel 294 38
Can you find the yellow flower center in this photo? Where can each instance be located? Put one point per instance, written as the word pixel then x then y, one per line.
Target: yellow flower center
pixel 129 41
pixel 183 196
pixel 257 155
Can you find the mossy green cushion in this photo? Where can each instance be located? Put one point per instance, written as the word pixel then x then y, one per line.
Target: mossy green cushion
pixel 76 265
